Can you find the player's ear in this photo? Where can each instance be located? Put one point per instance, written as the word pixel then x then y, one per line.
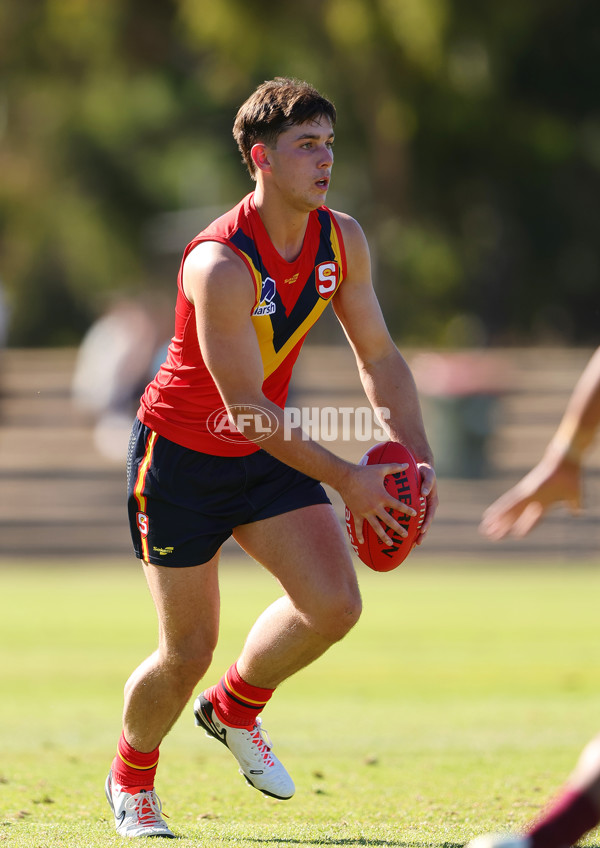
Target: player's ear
pixel 260 157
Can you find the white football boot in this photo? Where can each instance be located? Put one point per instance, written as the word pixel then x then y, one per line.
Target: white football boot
pixel 499 840
pixel 136 815
pixel 252 750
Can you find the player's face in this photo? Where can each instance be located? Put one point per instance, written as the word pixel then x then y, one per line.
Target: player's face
pixel 301 163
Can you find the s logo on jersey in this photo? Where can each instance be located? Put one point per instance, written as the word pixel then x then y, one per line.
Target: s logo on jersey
pixel 326 279
pixel 266 305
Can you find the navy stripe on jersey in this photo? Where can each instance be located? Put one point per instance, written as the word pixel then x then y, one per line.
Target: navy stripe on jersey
pixel 284 326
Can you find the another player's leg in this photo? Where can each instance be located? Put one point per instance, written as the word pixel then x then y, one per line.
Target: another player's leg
pixel 307 552
pixel 187 604
pixel 568 818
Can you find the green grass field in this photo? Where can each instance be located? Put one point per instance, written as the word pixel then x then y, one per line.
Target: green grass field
pixel 457 705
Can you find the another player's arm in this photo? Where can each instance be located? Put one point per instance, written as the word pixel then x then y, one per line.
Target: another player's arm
pixel 581 418
pixel 218 283
pixel 385 375
pixel 557 476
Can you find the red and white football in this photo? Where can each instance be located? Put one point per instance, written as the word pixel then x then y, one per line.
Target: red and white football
pixel 406 487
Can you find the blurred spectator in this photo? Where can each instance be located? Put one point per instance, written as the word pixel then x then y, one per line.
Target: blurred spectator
pixel 117 357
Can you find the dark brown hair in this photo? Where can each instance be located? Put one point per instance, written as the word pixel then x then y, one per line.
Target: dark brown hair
pixel 273 107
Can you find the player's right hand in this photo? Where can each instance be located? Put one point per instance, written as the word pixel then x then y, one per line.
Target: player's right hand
pixel 365 495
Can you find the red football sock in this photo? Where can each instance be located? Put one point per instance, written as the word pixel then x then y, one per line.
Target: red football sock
pixel 572 815
pixel 133 769
pixel 236 702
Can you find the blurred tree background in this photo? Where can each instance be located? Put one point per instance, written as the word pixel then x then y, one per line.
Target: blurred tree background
pixel 468 146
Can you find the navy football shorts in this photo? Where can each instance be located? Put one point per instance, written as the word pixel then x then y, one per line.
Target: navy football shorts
pixel 184 504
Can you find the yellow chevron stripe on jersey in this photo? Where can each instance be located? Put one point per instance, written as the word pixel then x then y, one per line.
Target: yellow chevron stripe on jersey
pixel 271 358
pixel 278 332
pixel 256 277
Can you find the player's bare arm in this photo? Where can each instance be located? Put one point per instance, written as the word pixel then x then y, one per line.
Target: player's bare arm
pixel 218 284
pixel 384 373
pixel 581 418
pixel 557 476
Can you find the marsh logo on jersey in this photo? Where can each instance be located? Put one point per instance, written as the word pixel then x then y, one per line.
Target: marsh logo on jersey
pixel 266 305
pixel 326 279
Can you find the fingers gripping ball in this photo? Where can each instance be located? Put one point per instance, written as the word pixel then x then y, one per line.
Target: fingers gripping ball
pixel 405 486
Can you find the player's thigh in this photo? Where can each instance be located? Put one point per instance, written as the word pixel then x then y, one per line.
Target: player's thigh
pixel 307 552
pixel 187 602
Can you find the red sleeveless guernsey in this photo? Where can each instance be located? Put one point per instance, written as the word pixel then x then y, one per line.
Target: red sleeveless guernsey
pixel 290 297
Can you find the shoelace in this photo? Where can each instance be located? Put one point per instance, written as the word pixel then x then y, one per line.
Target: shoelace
pixel 147 807
pixel 263 743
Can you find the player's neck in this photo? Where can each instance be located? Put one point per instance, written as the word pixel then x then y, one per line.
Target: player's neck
pixel 285 226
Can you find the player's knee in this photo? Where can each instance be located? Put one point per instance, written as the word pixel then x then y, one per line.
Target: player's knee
pixel 190 663
pixel 344 622
pixel 340 615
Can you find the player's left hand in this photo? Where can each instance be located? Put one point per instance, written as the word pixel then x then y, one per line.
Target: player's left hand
pixel 515 513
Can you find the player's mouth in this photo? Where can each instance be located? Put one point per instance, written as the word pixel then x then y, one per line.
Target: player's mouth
pixel 323 183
